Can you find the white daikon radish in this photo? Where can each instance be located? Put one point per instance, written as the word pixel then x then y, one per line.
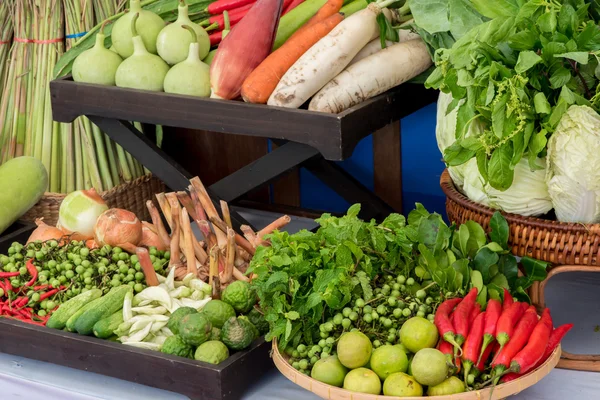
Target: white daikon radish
pixel 372 76
pixel 327 58
pixel 375 45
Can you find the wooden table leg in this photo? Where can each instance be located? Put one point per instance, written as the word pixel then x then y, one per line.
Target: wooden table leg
pixel 579 362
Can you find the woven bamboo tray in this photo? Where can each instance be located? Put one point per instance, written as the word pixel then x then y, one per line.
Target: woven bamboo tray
pixel 552 241
pixel 329 392
pixel 130 196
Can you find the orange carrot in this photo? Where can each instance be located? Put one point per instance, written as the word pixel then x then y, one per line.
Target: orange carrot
pixel 264 79
pixel 327 10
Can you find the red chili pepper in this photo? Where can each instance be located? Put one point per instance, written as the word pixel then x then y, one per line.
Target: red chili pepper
pixel 3 288
pixel 492 313
pixel 442 322
pixel 447 349
pixel 546 317
pixel 9 274
pixel 474 313
pixel 235 16
pixel 507 322
pixel 484 357
pixel 7 286
pixel 472 346
pixel 32 271
pixel 20 302
pixel 507 301
pixel 52 292
pixel 291 6
pixel 517 341
pixel 462 314
pixel 42 287
pixel 533 351
pixel 227 5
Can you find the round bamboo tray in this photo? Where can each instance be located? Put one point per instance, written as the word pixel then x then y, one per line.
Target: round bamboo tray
pixel 552 241
pixel 130 196
pixel 329 392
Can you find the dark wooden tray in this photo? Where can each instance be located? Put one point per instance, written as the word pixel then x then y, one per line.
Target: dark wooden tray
pixel 195 379
pixel 334 135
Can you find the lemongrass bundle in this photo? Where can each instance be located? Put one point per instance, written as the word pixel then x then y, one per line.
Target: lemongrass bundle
pixel 6 33
pixel 15 101
pixel 104 9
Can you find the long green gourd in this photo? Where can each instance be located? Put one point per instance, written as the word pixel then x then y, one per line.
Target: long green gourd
pixel 292 21
pixel 23 181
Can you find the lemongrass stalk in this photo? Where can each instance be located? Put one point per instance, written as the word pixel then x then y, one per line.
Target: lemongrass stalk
pixel 77 149
pixel 112 160
pixel 55 160
pixel 90 155
pixel 125 170
pixel 87 182
pixel 102 158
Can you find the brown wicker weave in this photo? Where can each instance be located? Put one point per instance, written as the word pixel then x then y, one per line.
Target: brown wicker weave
pixel 547 240
pixel 130 196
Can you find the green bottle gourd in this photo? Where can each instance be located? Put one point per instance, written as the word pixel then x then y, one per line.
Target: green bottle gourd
pixel 173 43
pixel 97 65
pixel 191 76
pixel 149 26
pixel 142 70
pixel 211 55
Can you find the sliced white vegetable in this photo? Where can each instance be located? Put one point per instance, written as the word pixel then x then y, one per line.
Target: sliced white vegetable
pixel 158 340
pixel 185 281
pixel 197 284
pixel 127 311
pixel 157 326
pixel 142 303
pixel 372 76
pixel 181 292
pixel 139 325
pixel 166 332
pixel 197 295
pixel 145 345
pixel 150 310
pixel 155 293
pixel 161 279
pixel 139 335
pixel 197 304
pixel 170 282
pixel 326 59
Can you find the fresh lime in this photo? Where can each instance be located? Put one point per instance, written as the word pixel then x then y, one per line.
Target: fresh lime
pixel 388 359
pixel 195 329
pixel 177 316
pixel 218 312
pixel 354 349
pixel 451 385
pixel 402 385
pixel 429 367
pixel 213 352
pixel 403 348
pixel 176 346
pixel 330 371
pixel 239 295
pixel 418 333
pixel 362 380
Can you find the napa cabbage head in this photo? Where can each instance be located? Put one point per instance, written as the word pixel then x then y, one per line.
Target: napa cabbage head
pixel 573 166
pixel 445 133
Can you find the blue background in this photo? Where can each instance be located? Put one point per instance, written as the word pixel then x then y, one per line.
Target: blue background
pixel 421 169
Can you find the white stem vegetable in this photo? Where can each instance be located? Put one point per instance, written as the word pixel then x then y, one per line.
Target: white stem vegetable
pixel 372 76
pixel 374 46
pixel 326 59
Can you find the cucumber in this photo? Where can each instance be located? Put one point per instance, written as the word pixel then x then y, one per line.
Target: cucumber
pixel 23 181
pixel 71 321
pixel 109 304
pixel 59 318
pixel 105 328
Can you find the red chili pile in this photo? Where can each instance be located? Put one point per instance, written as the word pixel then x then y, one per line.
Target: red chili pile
pixel 24 303
pixel 502 343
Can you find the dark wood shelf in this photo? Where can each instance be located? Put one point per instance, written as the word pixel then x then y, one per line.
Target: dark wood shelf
pixel 333 135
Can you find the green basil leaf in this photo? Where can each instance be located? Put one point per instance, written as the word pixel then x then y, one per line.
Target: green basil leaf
pixel 582 57
pixel 524 40
pixel 497 8
pixel 542 106
pixel 482 164
pixel 538 143
pixel 499 172
pixel 431 15
pixel 526 61
pixel 455 154
pixel 567 19
pixel 560 77
pixel 547 22
pixel 557 113
pixel 499 115
pixel 463 17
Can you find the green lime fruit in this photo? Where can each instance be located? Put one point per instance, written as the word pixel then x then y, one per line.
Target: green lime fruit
pixel 240 296
pixel 195 329
pixel 237 333
pixel 451 385
pixel 386 360
pixel 409 370
pixel 418 333
pixel 402 385
pixel 403 348
pixel 354 349
pixel 218 312
pixel 362 380
pixel 176 346
pixel 329 370
pixel 213 352
pixel 429 367
pixel 177 316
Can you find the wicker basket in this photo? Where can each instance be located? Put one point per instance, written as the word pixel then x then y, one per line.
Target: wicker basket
pixel 334 393
pixel 130 196
pixel 547 240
